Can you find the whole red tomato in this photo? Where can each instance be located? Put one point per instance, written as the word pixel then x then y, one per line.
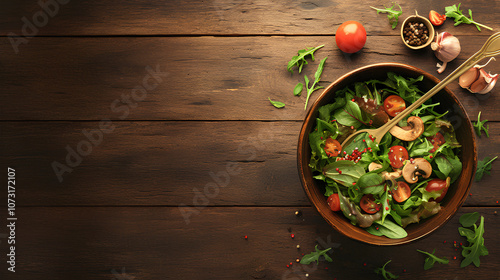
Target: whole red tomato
pixel 350 36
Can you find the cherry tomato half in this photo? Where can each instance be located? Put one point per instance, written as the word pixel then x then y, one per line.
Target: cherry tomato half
pixel 368 204
pixel 334 202
pixel 332 147
pixel 438 185
pixel 402 192
pixel 394 105
pixel 397 156
pixel 350 36
pixel 436 141
pixel 436 18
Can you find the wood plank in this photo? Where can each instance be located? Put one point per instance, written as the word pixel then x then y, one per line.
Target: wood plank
pixel 156 243
pixel 171 163
pixel 209 78
pixel 218 17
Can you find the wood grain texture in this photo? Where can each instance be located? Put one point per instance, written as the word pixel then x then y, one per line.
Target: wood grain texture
pixel 202 78
pixel 225 17
pixel 171 163
pixel 156 243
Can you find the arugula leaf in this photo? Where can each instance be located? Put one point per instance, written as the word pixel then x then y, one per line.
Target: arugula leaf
pixel 277 104
pixel 300 59
pixel 386 274
pixel 317 77
pixel 456 13
pixel 298 89
pixel 476 246
pixel 479 126
pixel 393 15
pixel 431 259
pixel 469 219
pixel 314 256
pixel 484 167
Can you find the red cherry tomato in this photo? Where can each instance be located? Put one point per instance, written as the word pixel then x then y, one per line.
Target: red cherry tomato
pixel 397 156
pixel 368 204
pixel 350 36
pixel 402 192
pixel 334 202
pixel 439 186
pixel 436 18
pixel 332 147
pixel 436 141
pixel 394 105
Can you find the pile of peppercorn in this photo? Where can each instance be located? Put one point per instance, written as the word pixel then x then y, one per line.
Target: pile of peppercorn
pixel 415 33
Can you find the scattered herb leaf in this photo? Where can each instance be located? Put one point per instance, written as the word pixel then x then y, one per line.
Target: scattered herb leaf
pixel 469 219
pixel 476 246
pixel 300 59
pixel 317 77
pixel 479 126
pixel 455 12
pixel 314 256
pixel 298 89
pixel 386 274
pixel 393 15
pixel 277 104
pixel 432 259
pixel 484 167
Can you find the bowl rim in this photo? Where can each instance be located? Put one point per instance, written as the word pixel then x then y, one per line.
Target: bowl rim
pixel 352 231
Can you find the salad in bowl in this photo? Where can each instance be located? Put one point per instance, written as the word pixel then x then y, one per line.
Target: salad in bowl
pixel 383 188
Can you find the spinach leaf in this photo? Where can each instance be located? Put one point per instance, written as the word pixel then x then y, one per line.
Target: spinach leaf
pixel 388 229
pixel 277 104
pixel 349 172
pixel 298 89
pixel 371 183
pixel 314 256
pixel 432 259
pixel 325 111
pixel 350 115
pixel 469 219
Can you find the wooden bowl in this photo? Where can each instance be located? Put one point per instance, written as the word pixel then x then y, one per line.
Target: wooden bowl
pixel 458 191
pixel 427 23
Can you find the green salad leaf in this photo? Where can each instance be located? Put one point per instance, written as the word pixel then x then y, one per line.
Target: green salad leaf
pixel 298 89
pixel 386 274
pixel 479 126
pixel 432 259
pixel 455 13
pixel 314 256
pixel 475 239
pixel 300 59
pixel 393 15
pixel 484 167
pixel 317 78
pixel 277 104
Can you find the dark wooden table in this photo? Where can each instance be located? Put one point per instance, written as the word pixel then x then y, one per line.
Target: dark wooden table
pixel 155 115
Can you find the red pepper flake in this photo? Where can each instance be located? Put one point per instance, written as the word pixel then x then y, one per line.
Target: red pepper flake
pixel 326 267
pixel 353 183
pixel 364 140
pixel 497 201
pixel 352 126
pixel 386 208
pixel 404 270
pixel 352 100
pixel 376 228
pixel 364 264
pixel 430 156
pixel 291 263
pixel 444 241
pixel 292 235
pixel 246 236
pixel 470 194
pixel 287 265
pixel 454 257
pixel 461 244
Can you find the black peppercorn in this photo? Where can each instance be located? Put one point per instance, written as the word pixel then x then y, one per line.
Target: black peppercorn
pixel 415 33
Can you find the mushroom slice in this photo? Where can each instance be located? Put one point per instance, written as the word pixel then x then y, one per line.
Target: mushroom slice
pixel 412 131
pixel 374 166
pixel 415 168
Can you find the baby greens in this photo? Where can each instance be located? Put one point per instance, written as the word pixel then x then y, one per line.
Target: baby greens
pixel 314 256
pixel 277 104
pixel 455 12
pixel 479 126
pixel 317 77
pixel 300 59
pixel 393 15
pixel 484 167
pixel 359 106
pixel 432 259
pixel 386 274
pixel 474 235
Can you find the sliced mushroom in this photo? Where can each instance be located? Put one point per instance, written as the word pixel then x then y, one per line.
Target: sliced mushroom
pixel 415 168
pixel 412 131
pixel 385 174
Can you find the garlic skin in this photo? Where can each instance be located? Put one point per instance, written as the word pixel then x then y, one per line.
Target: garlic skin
pixel 476 80
pixel 446 47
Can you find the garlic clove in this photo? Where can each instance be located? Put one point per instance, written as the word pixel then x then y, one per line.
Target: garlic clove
pixel 468 77
pixel 491 84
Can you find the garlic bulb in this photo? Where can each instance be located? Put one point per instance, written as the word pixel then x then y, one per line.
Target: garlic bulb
pixel 446 48
pixel 476 80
